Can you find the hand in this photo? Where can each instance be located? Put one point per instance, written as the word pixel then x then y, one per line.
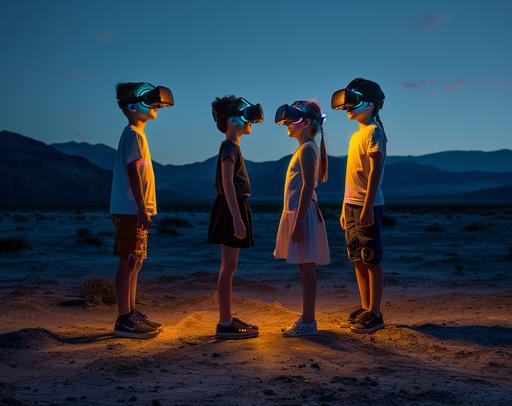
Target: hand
pixel 366 218
pixel 343 221
pixel 239 228
pixel 298 232
pixel 143 219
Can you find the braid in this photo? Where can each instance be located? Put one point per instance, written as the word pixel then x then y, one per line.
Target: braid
pixel 324 163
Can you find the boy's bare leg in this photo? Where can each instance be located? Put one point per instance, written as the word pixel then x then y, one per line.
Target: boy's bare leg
pixel 123 276
pixel 228 265
pixel 308 279
pixel 363 283
pixel 376 275
pixel 137 265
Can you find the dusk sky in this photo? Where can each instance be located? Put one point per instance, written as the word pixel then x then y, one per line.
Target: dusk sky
pixel 445 67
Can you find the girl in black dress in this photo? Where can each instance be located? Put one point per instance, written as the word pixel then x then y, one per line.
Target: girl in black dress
pixel 230 223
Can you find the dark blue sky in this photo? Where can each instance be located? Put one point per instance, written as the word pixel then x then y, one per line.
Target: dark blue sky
pixel 445 66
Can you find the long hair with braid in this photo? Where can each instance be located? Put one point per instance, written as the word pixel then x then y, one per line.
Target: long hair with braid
pixel 312 108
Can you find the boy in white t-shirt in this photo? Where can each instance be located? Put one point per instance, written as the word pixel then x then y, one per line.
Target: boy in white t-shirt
pixel 132 204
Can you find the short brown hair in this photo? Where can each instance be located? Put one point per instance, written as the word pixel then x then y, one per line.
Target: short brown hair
pixel 223 108
pixel 127 90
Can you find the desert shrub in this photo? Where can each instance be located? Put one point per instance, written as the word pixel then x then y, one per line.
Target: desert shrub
pixel 41 217
pixel 84 236
pixel 388 221
pixel 476 226
pixel 434 228
pixel 20 218
pixel 170 225
pixel 98 290
pixel 12 244
pixel 176 221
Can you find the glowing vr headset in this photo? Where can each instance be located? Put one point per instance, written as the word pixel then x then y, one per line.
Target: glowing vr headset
pixel 157 97
pixel 287 114
pixel 248 112
pixel 346 99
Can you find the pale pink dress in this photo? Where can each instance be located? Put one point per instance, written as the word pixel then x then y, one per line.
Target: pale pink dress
pixel 314 248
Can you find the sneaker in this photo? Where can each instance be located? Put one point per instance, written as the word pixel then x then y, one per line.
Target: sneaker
pixel 352 318
pixel 235 331
pixel 300 329
pixel 367 323
pixel 144 317
pixel 243 323
pixel 131 327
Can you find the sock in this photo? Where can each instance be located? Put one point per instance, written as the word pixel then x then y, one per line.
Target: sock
pixel 124 317
pixel 226 323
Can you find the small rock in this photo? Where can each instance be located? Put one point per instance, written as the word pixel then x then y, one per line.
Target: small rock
pixel 156 402
pixel 132 399
pixel 269 392
pixel 314 365
pixel 149 360
pixel 215 355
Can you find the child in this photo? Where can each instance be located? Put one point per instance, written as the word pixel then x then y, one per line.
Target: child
pixel 230 223
pixel 301 237
pixel 363 201
pixel 132 204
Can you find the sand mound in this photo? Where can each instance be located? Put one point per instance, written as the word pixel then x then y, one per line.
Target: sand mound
pixel 28 338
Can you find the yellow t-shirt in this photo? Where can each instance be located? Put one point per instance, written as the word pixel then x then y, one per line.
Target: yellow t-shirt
pixel 132 147
pixel 366 140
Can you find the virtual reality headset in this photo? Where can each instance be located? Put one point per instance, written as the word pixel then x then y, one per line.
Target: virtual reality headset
pixel 157 97
pixel 287 114
pixel 346 99
pixel 248 112
pixel 358 91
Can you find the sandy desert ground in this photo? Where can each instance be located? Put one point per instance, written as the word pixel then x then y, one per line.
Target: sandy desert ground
pixel 447 307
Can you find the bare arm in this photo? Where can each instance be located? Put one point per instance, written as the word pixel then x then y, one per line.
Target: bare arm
pixel 307 166
pixel 373 185
pixel 136 186
pixel 228 168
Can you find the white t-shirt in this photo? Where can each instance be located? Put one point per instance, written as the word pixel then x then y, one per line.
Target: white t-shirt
pixel 363 142
pixel 132 147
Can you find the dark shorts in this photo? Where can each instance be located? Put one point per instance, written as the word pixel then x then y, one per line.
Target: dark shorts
pixel 131 240
pixel 220 228
pixel 364 243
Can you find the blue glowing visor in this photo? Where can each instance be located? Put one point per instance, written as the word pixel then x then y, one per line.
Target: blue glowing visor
pixel 250 113
pixel 157 97
pixel 346 99
pixel 287 114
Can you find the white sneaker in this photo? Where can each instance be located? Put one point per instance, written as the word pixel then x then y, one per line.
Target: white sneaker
pixel 300 329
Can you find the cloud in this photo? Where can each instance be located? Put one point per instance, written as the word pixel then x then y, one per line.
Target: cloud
pixel 455 85
pixel 417 85
pixel 431 22
pixel 106 37
pixel 433 87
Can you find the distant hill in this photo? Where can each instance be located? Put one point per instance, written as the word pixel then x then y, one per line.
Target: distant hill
pixel 35 173
pixel 462 161
pixel 77 173
pixel 451 161
pixel 99 154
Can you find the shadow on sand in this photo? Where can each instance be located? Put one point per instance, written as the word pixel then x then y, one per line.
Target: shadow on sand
pixel 481 335
pixel 36 338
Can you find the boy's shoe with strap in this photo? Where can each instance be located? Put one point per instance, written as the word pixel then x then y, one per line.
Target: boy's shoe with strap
pixel 352 318
pixel 243 323
pixel 367 323
pixel 301 329
pixel 144 317
pixel 235 330
pixel 133 327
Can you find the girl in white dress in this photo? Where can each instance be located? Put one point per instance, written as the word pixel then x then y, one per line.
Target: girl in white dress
pixel 301 237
